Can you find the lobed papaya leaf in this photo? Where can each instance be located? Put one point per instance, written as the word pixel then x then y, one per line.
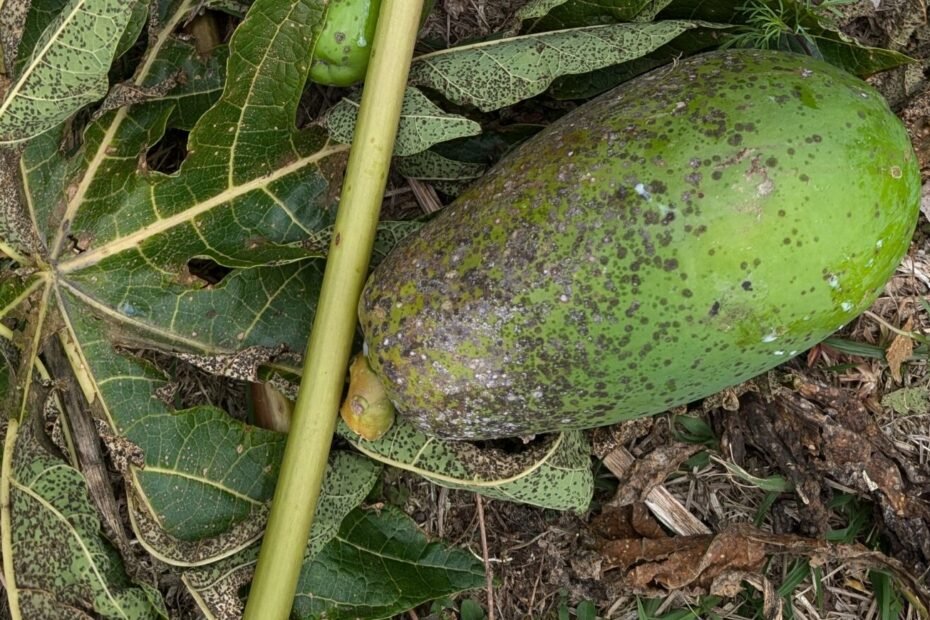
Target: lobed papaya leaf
pixel 103 247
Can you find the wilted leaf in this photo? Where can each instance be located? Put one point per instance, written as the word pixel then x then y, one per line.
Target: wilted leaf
pixel 422 123
pixel 650 471
pixel 60 566
pixel 497 73
pixel 378 565
pixel 66 70
pixel 631 521
pixel 654 565
pixel 553 473
pixel 814 433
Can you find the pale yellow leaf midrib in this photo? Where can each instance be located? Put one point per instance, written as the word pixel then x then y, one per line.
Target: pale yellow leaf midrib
pixel 154 469
pixel 22 296
pixel 91 257
pixel 480 484
pixel 107 311
pixel 91 173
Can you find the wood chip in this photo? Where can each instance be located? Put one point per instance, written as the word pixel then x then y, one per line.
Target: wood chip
pixel 659 500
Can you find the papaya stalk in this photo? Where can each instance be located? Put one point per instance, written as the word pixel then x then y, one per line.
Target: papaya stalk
pixel 327 356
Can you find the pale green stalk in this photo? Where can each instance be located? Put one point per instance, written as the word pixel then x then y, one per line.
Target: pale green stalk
pixel 327 357
pixel 6 519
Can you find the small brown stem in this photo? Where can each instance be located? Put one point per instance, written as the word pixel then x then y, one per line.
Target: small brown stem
pixel 489 572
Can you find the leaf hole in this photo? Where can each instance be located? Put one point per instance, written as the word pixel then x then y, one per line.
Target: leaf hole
pixel 207 270
pixel 167 155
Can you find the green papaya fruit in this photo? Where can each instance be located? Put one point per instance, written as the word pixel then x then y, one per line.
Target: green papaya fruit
pixel 693 228
pixel 343 47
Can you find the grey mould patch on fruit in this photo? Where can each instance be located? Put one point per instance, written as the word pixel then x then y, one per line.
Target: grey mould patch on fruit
pixel 636 254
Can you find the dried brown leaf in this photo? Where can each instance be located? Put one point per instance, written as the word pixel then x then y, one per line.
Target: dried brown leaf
pixel 652 566
pixel 719 563
pixel 631 521
pixel 900 350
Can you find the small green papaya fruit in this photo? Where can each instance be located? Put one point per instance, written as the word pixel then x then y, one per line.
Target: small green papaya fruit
pixel 689 230
pixel 343 47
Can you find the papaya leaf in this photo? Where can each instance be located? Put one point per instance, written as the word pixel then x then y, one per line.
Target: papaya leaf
pixel 104 260
pixel 447 175
pixel 237 8
pixel 215 584
pixel 545 15
pixel 66 70
pixel 422 124
pixel 497 73
pixel 553 473
pixel 57 563
pixel 808 28
pixel 490 146
pixel 378 565
pixel 596 82
pixel 137 20
pixel 349 478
